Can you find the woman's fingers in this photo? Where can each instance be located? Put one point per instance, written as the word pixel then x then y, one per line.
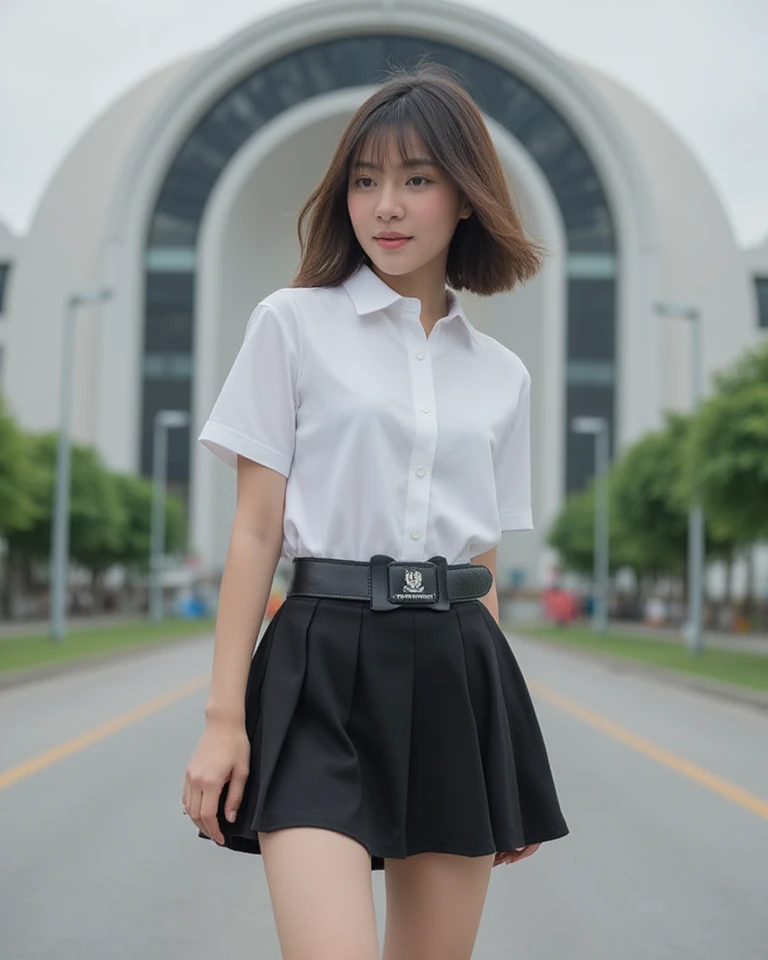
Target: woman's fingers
pixel 209 806
pixel 528 851
pixel 235 792
pixel 519 853
pixel 222 755
pixel 193 807
pixel 202 803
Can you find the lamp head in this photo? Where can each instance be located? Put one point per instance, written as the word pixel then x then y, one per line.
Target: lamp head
pixel 90 295
pixel 668 308
pixel 172 418
pixel 588 424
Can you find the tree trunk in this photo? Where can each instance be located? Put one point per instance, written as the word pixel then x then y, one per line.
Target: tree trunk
pixel 749 597
pixel 728 599
pixel 97 589
pixel 12 585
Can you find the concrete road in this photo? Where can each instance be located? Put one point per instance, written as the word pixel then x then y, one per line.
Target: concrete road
pixel 665 791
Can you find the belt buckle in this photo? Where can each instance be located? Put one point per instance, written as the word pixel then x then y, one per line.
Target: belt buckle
pixel 400 583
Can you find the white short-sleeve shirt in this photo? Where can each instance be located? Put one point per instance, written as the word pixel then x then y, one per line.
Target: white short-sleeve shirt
pixel 391 441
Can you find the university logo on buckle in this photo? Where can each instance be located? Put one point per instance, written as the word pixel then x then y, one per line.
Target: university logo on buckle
pixel 410 583
pixel 414 582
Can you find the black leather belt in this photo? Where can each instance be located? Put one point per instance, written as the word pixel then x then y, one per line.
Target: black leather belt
pixel 388 583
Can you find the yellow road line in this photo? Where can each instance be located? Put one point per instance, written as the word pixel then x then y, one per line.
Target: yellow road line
pixel 23 770
pixel 743 798
pixel 710 781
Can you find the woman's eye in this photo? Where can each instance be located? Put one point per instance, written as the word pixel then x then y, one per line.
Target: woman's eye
pixel 365 182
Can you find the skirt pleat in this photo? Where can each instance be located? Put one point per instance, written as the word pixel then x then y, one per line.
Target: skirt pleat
pixel 409 730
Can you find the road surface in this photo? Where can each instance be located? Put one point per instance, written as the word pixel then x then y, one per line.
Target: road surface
pixel 665 791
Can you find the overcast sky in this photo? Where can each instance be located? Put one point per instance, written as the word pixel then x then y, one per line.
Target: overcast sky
pixel 702 64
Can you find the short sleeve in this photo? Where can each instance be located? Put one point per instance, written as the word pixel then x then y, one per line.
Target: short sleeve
pixel 512 466
pixel 255 412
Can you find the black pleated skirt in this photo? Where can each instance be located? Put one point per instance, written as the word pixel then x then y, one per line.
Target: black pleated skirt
pixel 409 730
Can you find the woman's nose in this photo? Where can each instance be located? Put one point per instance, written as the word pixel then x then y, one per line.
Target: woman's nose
pixel 389 204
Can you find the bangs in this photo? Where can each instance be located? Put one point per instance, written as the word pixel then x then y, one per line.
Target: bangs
pixel 392 132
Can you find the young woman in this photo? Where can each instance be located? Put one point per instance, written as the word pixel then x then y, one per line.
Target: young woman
pixel 382 445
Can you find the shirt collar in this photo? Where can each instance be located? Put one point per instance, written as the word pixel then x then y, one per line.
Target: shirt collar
pixel 369 293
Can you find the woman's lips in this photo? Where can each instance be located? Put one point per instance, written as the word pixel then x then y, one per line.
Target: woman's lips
pixel 393 244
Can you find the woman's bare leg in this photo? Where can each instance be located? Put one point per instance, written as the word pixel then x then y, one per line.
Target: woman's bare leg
pixel 434 905
pixel 322 897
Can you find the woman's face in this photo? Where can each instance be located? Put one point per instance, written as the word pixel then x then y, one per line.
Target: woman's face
pixel 415 201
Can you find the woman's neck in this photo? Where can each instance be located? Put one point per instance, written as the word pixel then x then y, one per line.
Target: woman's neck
pixel 429 288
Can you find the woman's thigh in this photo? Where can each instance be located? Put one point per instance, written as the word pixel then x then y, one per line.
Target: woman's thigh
pixel 320 886
pixel 434 905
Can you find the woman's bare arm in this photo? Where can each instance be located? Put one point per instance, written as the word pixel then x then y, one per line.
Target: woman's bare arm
pixel 223 752
pixel 491 599
pixel 254 551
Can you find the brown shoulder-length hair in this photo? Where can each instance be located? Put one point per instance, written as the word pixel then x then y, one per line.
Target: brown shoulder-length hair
pixel 489 251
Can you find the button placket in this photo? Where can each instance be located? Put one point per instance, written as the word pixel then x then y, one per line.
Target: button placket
pixel 424 442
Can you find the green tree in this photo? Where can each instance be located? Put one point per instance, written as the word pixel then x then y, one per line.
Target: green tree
pixel 729 443
pixel 95 512
pixel 109 513
pixel 649 503
pixel 573 533
pixel 19 477
pixel 728 452
pixel 136 496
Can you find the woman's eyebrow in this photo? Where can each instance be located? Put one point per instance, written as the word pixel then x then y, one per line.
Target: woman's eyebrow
pixel 406 165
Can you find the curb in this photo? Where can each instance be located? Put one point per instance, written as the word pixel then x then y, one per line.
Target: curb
pixel 15 678
pixel 717 688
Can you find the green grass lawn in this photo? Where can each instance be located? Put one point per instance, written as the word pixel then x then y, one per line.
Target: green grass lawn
pixel 747 669
pixel 36 649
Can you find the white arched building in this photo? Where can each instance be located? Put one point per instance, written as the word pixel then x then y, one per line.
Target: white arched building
pixel 182 198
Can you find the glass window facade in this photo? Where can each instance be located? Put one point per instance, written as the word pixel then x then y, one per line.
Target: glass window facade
pixel 5 269
pixel 167 366
pixel 357 61
pixel 761 286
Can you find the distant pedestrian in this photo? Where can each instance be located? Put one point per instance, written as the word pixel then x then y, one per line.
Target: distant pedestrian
pixel 382 444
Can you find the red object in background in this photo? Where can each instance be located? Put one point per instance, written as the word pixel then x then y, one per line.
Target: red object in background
pixel 273 604
pixel 560 606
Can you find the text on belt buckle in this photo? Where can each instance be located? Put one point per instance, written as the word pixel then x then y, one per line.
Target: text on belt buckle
pixel 399 583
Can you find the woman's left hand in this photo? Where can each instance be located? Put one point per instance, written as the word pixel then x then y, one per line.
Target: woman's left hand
pixel 520 853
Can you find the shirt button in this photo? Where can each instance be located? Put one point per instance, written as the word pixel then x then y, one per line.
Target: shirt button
pixel 421 472
pixel 415 535
pixel 420 355
pixel 425 408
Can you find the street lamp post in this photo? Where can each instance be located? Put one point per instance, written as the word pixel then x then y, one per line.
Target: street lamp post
pixel 165 420
pixel 598 427
pixel 689 311
pixel 60 524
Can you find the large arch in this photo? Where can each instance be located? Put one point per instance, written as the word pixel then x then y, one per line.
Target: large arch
pixel 358 61
pixel 307 53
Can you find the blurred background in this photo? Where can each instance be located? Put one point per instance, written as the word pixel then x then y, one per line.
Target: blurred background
pixel 160 172
pixel 154 157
